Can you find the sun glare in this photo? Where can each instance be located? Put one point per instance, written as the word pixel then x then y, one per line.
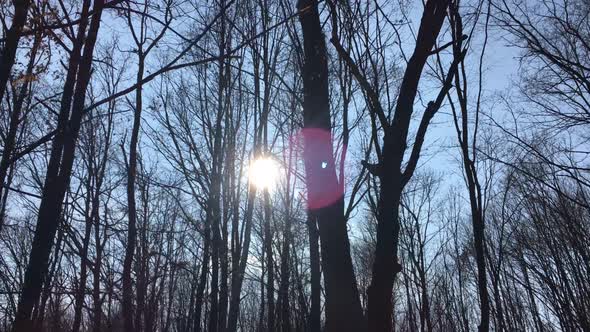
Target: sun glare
pixel 264 173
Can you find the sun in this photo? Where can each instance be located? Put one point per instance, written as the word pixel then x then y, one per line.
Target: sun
pixel 264 173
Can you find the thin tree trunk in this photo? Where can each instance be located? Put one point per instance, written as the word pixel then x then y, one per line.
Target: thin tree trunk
pixel 270 288
pixel 213 211
pixel 223 287
pixel 343 308
pixel 81 292
pixel 238 276
pixel 529 290
pixel 97 303
pixel 479 243
pixel 260 327
pixel 55 186
pixel 470 169
pixel 316 288
pixel 285 276
pixel 202 283
pixel 141 268
pixel 127 284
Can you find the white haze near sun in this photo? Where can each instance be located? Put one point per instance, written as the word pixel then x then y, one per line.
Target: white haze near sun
pixel 264 173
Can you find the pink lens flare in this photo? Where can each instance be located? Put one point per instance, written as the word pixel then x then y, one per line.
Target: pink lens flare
pixel 323 187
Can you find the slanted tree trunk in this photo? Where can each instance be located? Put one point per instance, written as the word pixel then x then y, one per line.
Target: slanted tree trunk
pixel 58 172
pixel 38 315
pixel 81 291
pixel 343 308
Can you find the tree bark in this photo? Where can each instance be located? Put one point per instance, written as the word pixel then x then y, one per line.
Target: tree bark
pixel 55 186
pixel 343 309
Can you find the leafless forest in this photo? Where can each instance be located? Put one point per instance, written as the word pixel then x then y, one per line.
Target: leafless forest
pixel 294 165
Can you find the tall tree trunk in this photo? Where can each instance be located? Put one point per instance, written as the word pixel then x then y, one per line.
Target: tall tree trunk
pixel 55 186
pixel 270 287
pixel 127 284
pixel 214 311
pixel 479 243
pixel 470 169
pixel 224 287
pixel 343 308
pixel 38 315
pixel 196 324
pixel 214 199
pixel 81 291
pixel 141 269
pixel 316 287
pixel 261 309
pixel 392 180
pixel 238 276
pixel 214 216
pixel 96 300
pixel 285 276
pixel 385 265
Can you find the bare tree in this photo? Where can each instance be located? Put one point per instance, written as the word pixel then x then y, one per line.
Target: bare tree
pixel 390 154
pixel 60 166
pixel 144 44
pixel 343 310
pixel 467 142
